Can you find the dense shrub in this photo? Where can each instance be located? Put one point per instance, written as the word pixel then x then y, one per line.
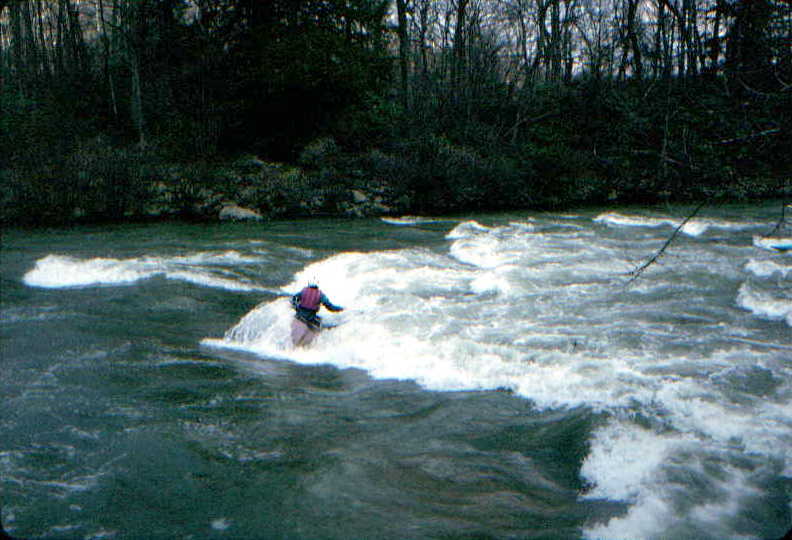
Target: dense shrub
pixel 558 145
pixel 94 181
pixel 284 191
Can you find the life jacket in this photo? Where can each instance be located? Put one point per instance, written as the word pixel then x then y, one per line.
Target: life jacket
pixel 310 297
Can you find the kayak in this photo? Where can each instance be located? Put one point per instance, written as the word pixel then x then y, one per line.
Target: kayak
pixel 778 244
pixel 302 334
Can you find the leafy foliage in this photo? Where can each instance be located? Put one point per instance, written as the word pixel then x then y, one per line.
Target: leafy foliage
pixel 172 92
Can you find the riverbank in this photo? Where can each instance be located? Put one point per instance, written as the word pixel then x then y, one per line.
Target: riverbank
pixel 99 183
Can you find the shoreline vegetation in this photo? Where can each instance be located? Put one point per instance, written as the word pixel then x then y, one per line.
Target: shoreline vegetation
pixel 168 109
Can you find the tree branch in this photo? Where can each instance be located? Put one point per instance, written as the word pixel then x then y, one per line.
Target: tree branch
pixel 781 221
pixel 527 121
pixel 751 136
pixel 636 273
pixel 664 158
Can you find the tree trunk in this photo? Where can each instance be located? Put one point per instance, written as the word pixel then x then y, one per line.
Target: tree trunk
pixel 543 45
pixel 568 45
pixel 46 70
pixel 459 44
pixel 715 42
pixel 632 36
pixel 15 58
pixel 422 36
pixel 106 61
pixel 664 41
pixel 524 46
pixel 691 46
pixel 137 100
pixel 404 52
pixel 679 17
pixel 555 41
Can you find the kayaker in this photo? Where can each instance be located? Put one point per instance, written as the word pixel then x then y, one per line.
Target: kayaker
pixel 306 304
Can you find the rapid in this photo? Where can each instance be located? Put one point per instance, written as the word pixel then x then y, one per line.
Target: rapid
pixel 495 375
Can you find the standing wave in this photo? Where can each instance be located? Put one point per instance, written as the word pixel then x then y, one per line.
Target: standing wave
pixel 697 427
pixel 204 269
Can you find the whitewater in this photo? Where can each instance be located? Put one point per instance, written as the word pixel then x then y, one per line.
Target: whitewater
pixel 683 375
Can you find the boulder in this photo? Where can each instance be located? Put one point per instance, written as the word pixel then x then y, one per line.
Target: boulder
pixel 359 197
pixel 232 212
pixel 154 210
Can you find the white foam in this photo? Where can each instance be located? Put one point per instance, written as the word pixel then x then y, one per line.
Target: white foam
pixel 212 258
pixel 28 313
pixel 59 271
pixel 497 281
pixel 654 511
pixel 625 458
pixel 101 535
pixel 418 305
pixel 466 229
pixel 208 280
pixel 694 227
pixel 62 530
pixel 442 344
pixel 632 464
pixel 764 305
pixel 510 306
pixel 518 227
pixel 766 268
pixel 54 271
pixel 625 464
pixel 405 221
pixel 480 251
pixel 614 218
pixel 63 488
pixel 489 248
pixel 221 524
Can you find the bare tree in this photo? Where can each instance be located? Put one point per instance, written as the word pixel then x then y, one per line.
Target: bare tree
pixel 632 36
pixel 404 51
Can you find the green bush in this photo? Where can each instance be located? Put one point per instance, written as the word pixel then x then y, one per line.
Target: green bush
pixel 284 191
pixel 109 181
pixel 94 181
pixel 319 154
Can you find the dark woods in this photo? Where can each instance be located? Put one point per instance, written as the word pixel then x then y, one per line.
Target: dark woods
pixel 113 109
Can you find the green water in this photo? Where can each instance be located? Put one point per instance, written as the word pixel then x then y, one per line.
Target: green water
pixel 498 385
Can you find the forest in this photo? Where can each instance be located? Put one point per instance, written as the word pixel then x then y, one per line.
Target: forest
pixel 147 109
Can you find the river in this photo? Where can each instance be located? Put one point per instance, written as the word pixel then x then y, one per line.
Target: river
pixel 492 376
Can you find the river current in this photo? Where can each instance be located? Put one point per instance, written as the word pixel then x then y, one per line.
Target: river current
pixel 492 376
